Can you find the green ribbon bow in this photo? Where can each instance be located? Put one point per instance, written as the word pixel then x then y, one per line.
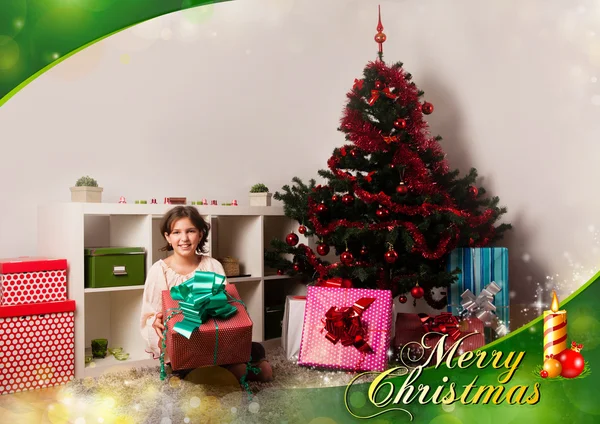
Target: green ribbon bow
pixel 201 298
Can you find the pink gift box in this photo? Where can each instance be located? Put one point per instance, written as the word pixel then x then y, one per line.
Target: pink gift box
pixel 317 350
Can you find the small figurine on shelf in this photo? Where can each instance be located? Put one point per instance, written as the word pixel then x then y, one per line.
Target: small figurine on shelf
pixel 234 202
pixel 259 195
pixel 204 202
pixel 153 202
pixel 122 199
pixel 86 190
pixel 167 201
pixel 213 203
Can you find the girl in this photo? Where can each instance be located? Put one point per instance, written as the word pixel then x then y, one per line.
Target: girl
pixel 186 233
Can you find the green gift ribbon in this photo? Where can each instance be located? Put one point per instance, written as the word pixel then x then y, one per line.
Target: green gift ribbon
pixel 201 298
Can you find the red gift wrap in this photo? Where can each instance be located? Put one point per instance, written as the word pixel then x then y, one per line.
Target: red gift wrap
pixel 412 328
pixel 233 344
pixel 27 280
pixel 37 347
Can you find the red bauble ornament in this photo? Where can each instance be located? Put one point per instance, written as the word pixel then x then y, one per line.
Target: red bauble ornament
pixel 572 361
pixel 544 374
pixel 291 239
pixel 400 123
pixel 473 191
pixel 347 283
pixel 379 84
pixel 427 108
pixel 335 198
pixel 323 249
pixel 552 366
pixel 346 258
pixel 280 272
pixel 401 189
pixel 382 213
pixel 364 251
pixel 348 199
pixel 402 299
pixel 353 153
pixel 302 229
pixel 297 267
pixel 417 292
pixel 321 208
pixel 390 256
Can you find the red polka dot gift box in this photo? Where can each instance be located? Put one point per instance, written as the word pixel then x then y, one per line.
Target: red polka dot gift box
pixel 36 345
pixel 32 280
pixel 216 341
pixel 346 328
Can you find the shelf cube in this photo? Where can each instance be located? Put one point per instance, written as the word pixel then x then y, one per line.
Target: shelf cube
pixel 28 280
pixel 37 348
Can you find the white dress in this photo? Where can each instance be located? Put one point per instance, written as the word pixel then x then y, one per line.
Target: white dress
pixel 160 277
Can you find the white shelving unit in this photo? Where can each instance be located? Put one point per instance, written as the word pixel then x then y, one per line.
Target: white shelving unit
pixel 65 229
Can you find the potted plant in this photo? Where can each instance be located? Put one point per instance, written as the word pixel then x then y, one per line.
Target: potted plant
pixel 259 195
pixel 86 190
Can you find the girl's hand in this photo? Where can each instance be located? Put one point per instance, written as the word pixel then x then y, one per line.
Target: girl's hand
pixel 158 325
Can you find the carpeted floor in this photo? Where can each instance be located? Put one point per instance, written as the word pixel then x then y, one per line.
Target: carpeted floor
pixel 206 395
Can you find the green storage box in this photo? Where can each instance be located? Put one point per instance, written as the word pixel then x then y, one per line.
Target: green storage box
pixel 115 266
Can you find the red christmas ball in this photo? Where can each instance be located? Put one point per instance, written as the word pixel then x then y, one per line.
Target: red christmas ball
pixel 402 299
pixel 572 363
pixel 390 256
pixel 323 249
pixel 347 283
pixel 302 229
pixel 400 123
pixel 378 84
pixel 297 267
pixel 364 251
pixel 402 188
pixel 417 292
pixel 353 153
pixel 321 208
pixel 427 108
pixel 544 374
pixel 335 198
pixel 473 191
pixel 291 239
pixel 280 272
pixel 348 199
pixel 382 213
pixel 347 258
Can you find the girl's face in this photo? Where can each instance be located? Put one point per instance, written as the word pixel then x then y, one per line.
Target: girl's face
pixel 184 237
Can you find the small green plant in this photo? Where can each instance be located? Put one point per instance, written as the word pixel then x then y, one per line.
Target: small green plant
pixel 86 182
pixel 259 188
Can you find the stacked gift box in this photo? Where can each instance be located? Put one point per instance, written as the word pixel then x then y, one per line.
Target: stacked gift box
pixel 36 324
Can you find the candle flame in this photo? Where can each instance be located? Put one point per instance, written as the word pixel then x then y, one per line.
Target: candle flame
pixel 554 305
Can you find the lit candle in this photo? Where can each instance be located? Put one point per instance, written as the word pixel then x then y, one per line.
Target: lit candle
pixel 555 329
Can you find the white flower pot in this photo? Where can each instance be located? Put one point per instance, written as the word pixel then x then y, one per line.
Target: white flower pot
pixel 86 194
pixel 260 199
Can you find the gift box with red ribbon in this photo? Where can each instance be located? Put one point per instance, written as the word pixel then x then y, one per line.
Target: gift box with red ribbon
pixel 412 327
pixel 346 328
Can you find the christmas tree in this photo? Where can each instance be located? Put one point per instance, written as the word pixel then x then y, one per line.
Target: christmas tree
pixel 391 207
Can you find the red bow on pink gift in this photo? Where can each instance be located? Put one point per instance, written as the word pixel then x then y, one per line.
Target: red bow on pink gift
pixel 344 324
pixel 444 323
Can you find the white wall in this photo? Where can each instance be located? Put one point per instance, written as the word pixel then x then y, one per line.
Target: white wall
pixel 205 103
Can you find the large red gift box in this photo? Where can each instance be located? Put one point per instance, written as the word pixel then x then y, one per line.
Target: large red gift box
pixel 36 345
pixel 28 280
pixel 412 328
pixel 232 343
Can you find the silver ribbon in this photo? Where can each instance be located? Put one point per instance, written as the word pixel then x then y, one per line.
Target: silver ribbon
pixel 482 307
